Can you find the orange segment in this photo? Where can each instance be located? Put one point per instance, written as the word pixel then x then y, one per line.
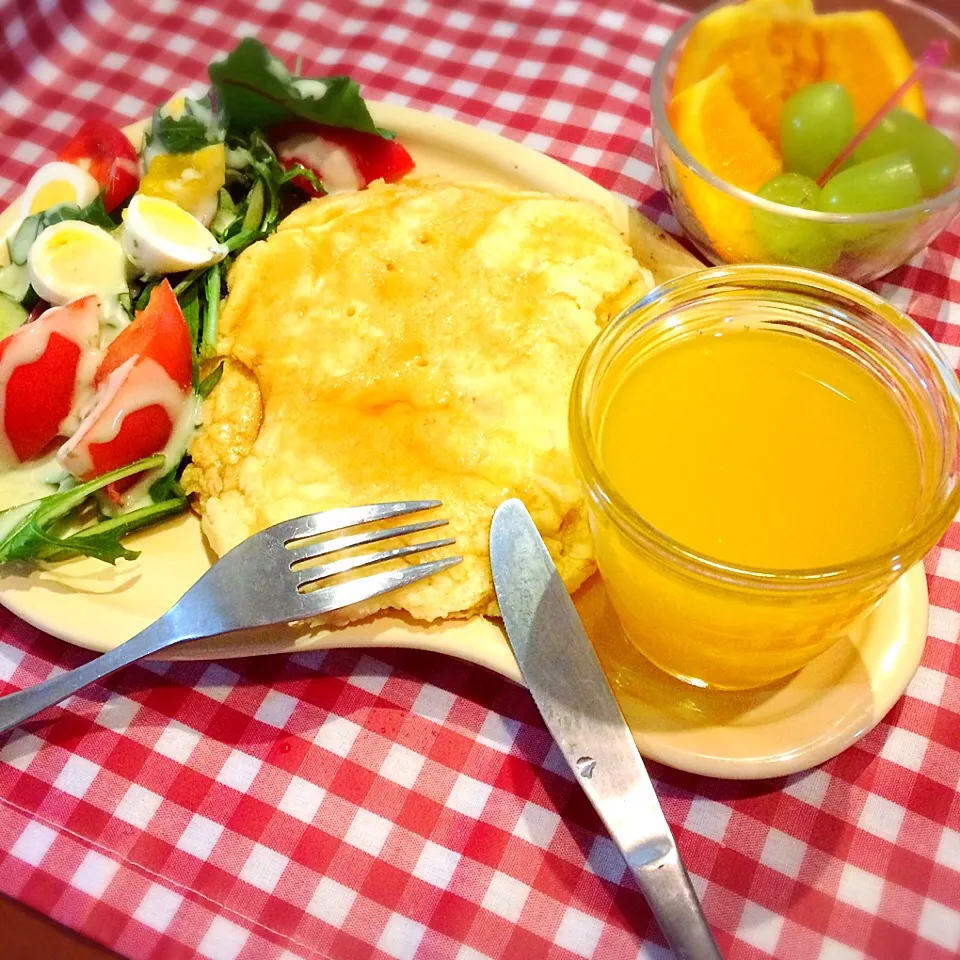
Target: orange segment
pixel 771 48
pixel 718 131
pixel 863 52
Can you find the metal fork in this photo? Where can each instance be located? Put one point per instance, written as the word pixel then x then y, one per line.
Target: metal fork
pixel 260 583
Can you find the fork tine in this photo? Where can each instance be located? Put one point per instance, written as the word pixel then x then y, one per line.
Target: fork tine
pixel 313 550
pixel 341 518
pixel 312 574
pixel 343 594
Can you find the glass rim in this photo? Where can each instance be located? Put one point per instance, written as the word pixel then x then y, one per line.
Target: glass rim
pixel 663 127
pixel 922 534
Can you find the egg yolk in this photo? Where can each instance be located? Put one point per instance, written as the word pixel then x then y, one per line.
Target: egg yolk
pixel 52 193
pixel 172 223
pixel 77 258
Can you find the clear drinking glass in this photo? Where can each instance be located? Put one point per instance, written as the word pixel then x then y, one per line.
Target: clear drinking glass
pixel 710 622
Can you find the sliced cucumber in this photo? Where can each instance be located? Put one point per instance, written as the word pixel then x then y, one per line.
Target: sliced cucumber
pixel 19 244
pixel 226 214
pixel 14 281
pixel 12 316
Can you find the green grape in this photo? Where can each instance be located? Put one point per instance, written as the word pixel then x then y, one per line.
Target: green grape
pixel 883 183
pixel 933 154
pixel 817 122
pixel 788 239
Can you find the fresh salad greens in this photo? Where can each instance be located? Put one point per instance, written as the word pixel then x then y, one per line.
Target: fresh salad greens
pixel 250 92
pixel 200 124
pixel 257 91
pixel 46 529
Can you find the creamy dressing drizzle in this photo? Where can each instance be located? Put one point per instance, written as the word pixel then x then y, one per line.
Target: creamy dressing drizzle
pixel 140 382
pixel 312 89
pixel 29 343
pixel 30 481
pixel 237 158
pixel 180 436
pixel 333 163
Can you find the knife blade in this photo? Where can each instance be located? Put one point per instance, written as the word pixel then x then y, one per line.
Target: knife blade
pixel 561 670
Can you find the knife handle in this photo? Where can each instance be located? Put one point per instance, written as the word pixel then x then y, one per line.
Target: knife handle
pixel 666 885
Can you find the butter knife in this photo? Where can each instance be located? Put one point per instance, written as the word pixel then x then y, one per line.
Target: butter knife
pixel 563 674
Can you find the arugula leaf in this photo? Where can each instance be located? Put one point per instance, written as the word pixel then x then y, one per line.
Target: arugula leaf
pixel 19 245
pixel 200 124
pixel 102 540
pixel 207 384
pixel 184 285
pixel 167 486
pixel 26 530
pixel 257 91
pixel 211 319
pixel 270 176
pixel 190 306
pixel 144 297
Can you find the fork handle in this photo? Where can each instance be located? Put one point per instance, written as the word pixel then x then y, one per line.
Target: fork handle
pixel 17 707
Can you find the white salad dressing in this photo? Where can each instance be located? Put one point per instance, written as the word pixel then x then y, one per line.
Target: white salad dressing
pixel 31 481
pixel 140 382
pixel 180 436
pixel 333 164
pixel 29 342
pixel 114 319
pixel 312 89
pixel 237 158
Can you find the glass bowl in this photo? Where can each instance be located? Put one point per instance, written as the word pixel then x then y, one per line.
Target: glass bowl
pixel 859 247
pixel 701 618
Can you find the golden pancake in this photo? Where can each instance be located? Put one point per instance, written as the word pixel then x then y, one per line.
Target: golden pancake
pixel 412 341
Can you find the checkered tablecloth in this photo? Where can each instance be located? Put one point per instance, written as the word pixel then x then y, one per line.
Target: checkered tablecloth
pixel 401 805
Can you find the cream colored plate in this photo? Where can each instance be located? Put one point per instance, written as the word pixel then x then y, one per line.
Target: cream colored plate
pixel 777 730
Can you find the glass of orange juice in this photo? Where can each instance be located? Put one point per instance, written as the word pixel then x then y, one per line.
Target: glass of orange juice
pixel 765 450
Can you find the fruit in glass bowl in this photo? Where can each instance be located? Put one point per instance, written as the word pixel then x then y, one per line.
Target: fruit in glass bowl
pixel 753 102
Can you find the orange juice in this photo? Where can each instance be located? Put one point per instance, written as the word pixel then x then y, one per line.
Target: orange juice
pixel 762 449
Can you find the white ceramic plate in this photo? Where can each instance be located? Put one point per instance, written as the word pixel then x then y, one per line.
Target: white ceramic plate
pixel 774 731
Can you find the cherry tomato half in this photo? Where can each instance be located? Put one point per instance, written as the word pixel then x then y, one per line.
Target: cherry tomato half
pixel 104 151
pixel 158 332
pixel 372 157
pixel 39 365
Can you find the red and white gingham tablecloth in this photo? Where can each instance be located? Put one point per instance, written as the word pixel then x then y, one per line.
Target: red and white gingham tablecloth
pixel 400 805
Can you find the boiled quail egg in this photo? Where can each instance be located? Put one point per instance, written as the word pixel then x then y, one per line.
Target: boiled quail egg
pixel 58 182
pixel 72 259
pixel 160 237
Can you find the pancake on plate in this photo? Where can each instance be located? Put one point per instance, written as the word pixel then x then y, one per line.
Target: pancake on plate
pixel 412 341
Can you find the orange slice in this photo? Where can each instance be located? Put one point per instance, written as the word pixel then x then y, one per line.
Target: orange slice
pixel 717 129
pixel 863 52
pixel 771 48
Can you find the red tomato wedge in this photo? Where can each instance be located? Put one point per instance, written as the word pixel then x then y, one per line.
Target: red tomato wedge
pixel 39 366
pixel 158 332
pixel 342 159
pixel 142 433
pixel 133 417
pixel 143 383
pixel 104 151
